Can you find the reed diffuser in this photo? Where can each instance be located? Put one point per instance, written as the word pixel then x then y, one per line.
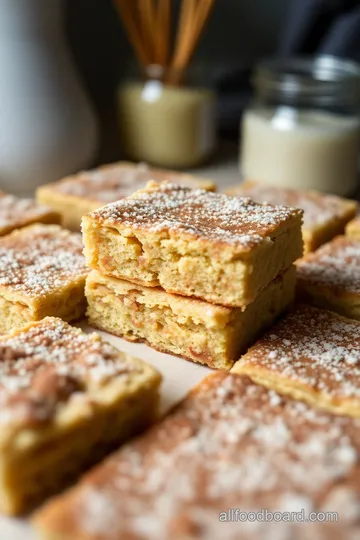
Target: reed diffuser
pixel 164 117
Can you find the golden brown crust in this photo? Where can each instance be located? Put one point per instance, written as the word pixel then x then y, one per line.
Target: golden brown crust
pixel 230 444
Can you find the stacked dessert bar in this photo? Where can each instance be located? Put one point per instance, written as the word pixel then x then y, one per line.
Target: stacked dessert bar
pixel 190 272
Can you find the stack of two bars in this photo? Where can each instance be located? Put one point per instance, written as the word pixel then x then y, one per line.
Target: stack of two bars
pixel 192 273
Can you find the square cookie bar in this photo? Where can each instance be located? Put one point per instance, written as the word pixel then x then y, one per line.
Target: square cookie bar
pixel 221 249
pixel 330 277
pixel 325 216
pixel 16 213
pixel 65 399
pixel 81 193
pixel 42 272
pixel 353 228
pixel 312 355
pixel 191 328
pixel 230 452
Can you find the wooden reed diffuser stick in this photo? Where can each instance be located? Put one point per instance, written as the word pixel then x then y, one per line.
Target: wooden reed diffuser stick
pixel 163 33
pixel 147 14
pixel 133 30
pixel 148 26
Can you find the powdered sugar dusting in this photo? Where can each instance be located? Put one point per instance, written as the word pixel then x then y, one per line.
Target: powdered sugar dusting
pixel 47 365
pixel 229 445
pixel 113 182
pixel 14 212
pixel 214 216
pixel 317 348
pixel 40 259
pixel 335 265
pixel 319 209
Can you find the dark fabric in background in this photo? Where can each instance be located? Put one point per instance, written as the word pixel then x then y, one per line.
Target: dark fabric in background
pixel 322 27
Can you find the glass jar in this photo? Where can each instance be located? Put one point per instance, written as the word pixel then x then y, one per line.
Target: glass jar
pixel 303 128
pixel 165 123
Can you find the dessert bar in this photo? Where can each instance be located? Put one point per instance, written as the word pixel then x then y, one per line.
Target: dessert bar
pixel 77 195
pixel 330 277
pixel 353 228
pixel 42 272
pixel 221 249
pixel 229 450
pixel 312 355
pixel 66 399
pixel 188 327
pixel 16 213
pixel 325 216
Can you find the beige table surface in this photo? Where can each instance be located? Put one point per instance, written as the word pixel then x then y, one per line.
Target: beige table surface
pixel 224 167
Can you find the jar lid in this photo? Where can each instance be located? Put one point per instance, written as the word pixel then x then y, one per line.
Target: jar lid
pixel 323 78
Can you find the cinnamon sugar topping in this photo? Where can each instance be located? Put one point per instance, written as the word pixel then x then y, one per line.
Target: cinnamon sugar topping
pixel 319 209
pixel 336 264
pixel 39 259
pixel 48 364
pixel 112 182
pixel 315 347
pixel 231 444
pixel 14 210
pixel 214 216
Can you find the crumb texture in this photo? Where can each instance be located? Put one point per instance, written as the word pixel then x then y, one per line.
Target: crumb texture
pixel 202 332
pixel 230 444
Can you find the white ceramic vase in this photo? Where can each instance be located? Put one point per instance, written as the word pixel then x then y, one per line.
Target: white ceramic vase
pixel 47 126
